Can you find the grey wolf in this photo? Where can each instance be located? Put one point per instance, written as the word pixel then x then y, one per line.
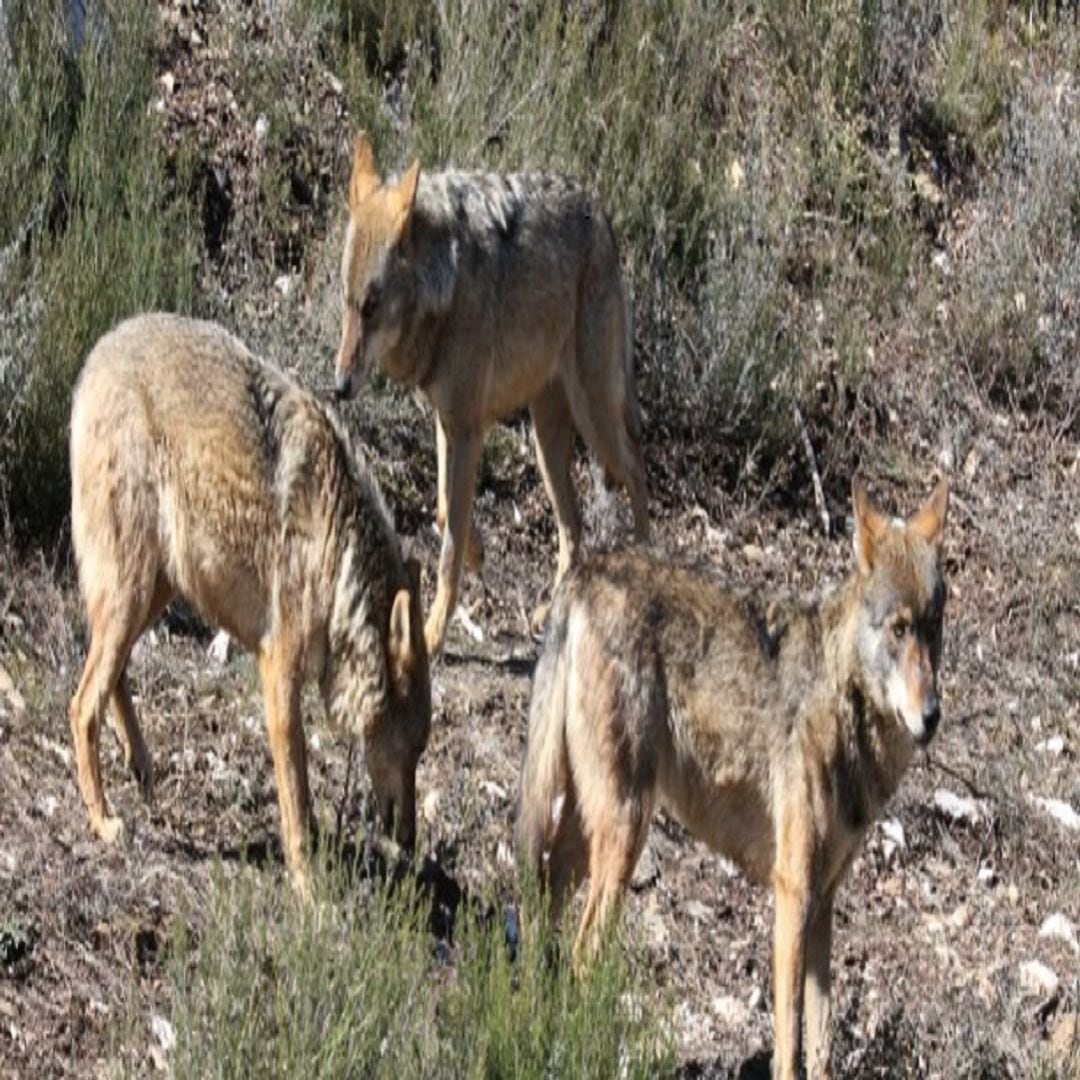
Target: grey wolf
pixel 775 729
pixel 198 470
pixel 491 293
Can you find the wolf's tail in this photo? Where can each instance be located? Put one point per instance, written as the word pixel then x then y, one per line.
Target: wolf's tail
pixel 546 771
pixel 631 408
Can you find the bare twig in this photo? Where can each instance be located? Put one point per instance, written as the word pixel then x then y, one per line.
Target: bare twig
pixel 948 770
pixel 811 460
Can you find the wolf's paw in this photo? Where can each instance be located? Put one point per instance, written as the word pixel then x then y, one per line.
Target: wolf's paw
pixel 109 828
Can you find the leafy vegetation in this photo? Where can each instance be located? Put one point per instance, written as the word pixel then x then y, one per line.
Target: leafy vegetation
pixel 355 985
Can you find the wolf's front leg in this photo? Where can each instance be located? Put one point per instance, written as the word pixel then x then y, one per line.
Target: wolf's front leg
pixel 792 884
pixel 281 678
pixel 818 1020
pixel 462 458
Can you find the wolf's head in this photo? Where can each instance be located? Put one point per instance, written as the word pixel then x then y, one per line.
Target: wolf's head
pixel 394 745
pixel 393 273
pixel 902 603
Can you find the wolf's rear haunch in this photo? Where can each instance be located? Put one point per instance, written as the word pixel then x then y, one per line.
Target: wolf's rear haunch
pixel 198 470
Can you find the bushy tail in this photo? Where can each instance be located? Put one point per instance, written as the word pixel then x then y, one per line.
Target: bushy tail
pixel 631 408
pixel 545 773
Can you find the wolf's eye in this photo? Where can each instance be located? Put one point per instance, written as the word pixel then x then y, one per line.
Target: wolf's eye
pixel 371 304
pixel 899 629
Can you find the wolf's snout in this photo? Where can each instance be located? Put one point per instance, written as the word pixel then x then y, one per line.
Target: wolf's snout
pixel 931 717
pixel 343 387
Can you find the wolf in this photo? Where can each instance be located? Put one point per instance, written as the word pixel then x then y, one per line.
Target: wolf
pixel 775 729
pixel 491 293
pixel 198 470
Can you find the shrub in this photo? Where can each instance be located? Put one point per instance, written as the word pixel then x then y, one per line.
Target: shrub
pixel 1018 319
pixel 354 985
pixel 90 234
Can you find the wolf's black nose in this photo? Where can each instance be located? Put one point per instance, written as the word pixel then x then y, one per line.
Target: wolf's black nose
pixel 931 717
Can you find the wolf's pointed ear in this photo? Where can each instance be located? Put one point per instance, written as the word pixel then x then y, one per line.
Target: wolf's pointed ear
pixel 405 196
pixel 365 175
pixel 402 653
pixel 869 525
pixel 929 520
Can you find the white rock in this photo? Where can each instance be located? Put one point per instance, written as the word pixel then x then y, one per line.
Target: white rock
pixel 47 805
pixel 894 837
pixel 753 553
pixel 696 910
pixel 1054 745
pixel 1060 811
pixel 431 806
pixel 894 831
pixel 7 687
pixel 1058 926
pixel 469 625
pixel 262 127
pixel 956 807
pixel 987 876
pixel 53 747
pixel 220 648
pixel 163 1032
pixel 736 174
pixel 1037 978
pixel 730 1010
pixel 168 83
pixel 496 791
pixel 284 284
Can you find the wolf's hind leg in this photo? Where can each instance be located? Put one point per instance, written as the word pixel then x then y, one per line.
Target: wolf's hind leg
pixel 615 844
pixel 553 433
pixel 115 624
pixel 128 733
pixel 125 723
pixel 568 861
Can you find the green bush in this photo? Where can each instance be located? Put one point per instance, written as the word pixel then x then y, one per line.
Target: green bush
pixel 355 985
pixel 90 233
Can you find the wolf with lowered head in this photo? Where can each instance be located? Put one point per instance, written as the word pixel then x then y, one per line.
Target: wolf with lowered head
pixel 200 471
pixel 492 293
pixel 775 729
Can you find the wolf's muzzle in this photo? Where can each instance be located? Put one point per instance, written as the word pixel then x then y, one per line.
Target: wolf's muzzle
pixel 931 717
pixel 343 387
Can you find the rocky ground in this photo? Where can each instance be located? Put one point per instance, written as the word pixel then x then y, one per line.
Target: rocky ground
pixel 956 949
pixel 956 946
